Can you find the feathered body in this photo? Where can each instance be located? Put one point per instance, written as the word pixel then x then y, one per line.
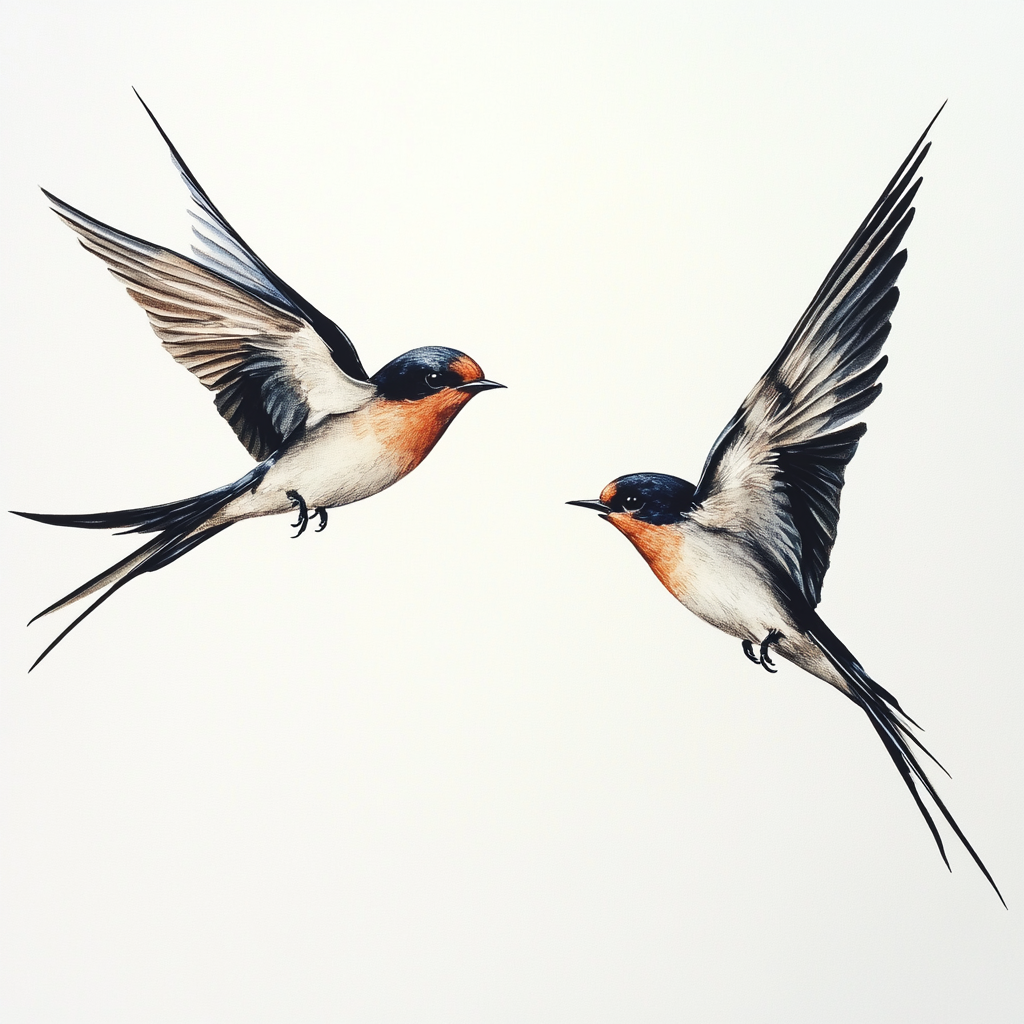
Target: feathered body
pixel 746 549
pixel 287 380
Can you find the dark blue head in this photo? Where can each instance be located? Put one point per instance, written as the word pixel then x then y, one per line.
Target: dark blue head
pixel 654 498
pixel 426 371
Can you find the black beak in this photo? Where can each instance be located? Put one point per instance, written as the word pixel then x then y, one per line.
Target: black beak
pixel 593 503
pixel 473 386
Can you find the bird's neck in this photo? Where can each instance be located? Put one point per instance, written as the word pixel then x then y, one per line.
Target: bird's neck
pixel 408 430
pixel 660 546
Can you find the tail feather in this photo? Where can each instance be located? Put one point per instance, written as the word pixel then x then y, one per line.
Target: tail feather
pixel 156 518
pixel 172 552
pixel 863 687
pixel 180 528
pixel 64 632
pixel 132 520
pixel 893 727
pixel 104 579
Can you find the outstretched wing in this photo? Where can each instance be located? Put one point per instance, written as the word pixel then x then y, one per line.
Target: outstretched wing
pixel 776 472
pixel 272 372
pixel 223 251
pixel 275 361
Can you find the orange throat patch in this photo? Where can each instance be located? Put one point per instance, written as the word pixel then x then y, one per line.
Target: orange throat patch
pixel 660 546
pixel 408 430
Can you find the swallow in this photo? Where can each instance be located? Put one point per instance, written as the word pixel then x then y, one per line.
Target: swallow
pixel 746 549
pixel 288 380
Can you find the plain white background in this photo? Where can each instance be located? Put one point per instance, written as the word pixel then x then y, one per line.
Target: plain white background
pixel 460 757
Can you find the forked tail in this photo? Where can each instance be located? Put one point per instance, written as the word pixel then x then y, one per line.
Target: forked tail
pixel 179 526
pixel 893 726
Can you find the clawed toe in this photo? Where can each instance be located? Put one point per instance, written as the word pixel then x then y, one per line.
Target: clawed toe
pixel 762 657
pixel 774 636
pixel 303 521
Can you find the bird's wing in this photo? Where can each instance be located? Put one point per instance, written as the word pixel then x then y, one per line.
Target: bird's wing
pixel 776 471
pixel 275 362
pixel 222 250
pixel 271 371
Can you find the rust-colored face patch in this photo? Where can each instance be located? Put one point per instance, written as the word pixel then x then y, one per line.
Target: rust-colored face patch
pixel 468 369
pixel 609 493
pixel 661 546
pixel 408 430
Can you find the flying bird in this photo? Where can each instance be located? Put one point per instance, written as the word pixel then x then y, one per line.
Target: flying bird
pixel 287 379
pixel 747 547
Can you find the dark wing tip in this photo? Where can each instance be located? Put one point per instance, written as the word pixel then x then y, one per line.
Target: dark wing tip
pixel 924 134
pixel 183 168
pixel 145 106
pixel 152 117
pixel 156 123
pixel 342 350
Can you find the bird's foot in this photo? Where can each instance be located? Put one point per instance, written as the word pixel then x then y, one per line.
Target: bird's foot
pixel 748 650
pixel 322 516
pixel 774 636
pixel 300 503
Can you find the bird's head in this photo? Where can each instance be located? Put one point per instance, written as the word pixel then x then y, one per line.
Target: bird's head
pixel 653 498
pixel 429 373
pixel 644 507
pixel 418 396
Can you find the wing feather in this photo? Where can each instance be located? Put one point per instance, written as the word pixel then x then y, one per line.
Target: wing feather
pixel 224 251
pixel 776 471
pixel 271 371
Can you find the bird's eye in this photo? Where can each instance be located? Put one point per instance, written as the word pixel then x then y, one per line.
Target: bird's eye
pixel 631 503
pixel 434 381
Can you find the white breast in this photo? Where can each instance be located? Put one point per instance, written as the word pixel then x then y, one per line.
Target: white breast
pixel 721 582
pixel 340 461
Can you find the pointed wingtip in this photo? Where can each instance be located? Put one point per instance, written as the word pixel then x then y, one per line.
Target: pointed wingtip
pixel 145 105
pixel 924 134
pixel 152 117
pixel 197 190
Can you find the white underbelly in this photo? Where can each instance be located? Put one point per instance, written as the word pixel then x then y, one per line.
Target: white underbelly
pixel 336 463
pixel 722 583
